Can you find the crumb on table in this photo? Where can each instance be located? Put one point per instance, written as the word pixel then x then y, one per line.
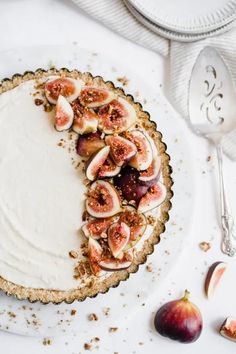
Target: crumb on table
pixel 204 246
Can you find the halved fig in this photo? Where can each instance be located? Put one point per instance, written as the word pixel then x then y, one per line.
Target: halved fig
pixel 143 159
pixel 94 164
pixel 136 222
pixel 108 169
pixel 152 174
pixel 122 150
pixel 64 114
pixel 116 116
pixel 97 228
pixel 88 144
pixel 64 86
pixel 228 329
pixel 114 264
pixel 153 198
pixel 94 255
pixel 85 119
pixel 128 182
pixel 102 200
pixel 118 237
pixel 213 277
pixel 95 97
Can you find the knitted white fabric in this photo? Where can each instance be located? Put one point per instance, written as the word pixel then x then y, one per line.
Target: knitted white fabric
pixel 116 16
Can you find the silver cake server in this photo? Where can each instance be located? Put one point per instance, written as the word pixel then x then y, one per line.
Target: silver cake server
pixel 212 112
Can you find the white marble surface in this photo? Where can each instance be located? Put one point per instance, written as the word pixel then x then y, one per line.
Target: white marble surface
pixel 24 23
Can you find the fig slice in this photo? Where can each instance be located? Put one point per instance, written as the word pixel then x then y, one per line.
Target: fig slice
pixel 85 119
pixel 154 197
pixel 213 277
pixel 115 264
pixel 136 222
pixel 97 228
pixel 64 86
pixel 64 114
pixel 108 169
pixel 118 237
pixel 143 159
pixel 95 97
pixel 128 182
pixel 94 164
pixel 122 150
pixel 88 144
pixel 102 200
pixel 151 175
pixel 228 329
pixel 94 255
pixel 116 116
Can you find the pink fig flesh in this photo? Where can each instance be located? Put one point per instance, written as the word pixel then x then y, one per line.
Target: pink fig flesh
pixel 118 237
pixel 213 277
pixel 228 328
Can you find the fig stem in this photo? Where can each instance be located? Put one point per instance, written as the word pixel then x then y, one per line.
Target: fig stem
pixel 186 295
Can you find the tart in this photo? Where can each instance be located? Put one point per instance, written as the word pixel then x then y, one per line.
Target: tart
pixel 85 185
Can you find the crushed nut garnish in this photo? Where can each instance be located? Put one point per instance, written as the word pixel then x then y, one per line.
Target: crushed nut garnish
pixel 73 312
pixel 204 246
pixel 73 254
pixel 38 102
pixel 81 269
pixel 123 80
pixel 92 317
pixel 151 220
pixel 11 314
pixel 87 346
pixel 106 311
pixel 208 158
pixel 113 329
pixel 47 107
pixel 149 268
pixel 47 341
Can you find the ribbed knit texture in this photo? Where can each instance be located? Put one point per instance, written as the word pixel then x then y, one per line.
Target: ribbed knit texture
pixel 116 16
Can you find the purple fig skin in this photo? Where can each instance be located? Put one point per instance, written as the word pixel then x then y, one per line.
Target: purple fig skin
pixel 129 184
pixel 88 144
pixel 179 320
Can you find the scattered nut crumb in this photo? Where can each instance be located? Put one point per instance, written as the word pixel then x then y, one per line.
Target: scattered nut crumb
pixel 149 268
pixel 73 312
pixel 208 158
pixel 87 346
pixel 106 311
pixel 204 246
pixel 73 254
pixel 123 80
pixel 11 314
pixel 113 329
pixel 92 317
pixel 47 341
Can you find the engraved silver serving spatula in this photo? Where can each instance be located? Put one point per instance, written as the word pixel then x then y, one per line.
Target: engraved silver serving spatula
pixel 212 112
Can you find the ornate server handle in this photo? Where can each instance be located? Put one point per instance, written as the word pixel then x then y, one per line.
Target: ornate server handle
pixel 227 220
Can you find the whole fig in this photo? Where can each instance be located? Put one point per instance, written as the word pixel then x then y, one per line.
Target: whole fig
pixel 179 320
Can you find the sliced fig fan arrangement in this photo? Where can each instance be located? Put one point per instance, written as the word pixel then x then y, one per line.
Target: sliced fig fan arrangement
pixel 126 173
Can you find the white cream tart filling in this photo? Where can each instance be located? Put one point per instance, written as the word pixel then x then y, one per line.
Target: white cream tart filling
pixel 42 196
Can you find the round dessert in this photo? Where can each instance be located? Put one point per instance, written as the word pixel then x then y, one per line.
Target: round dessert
pixel 85 185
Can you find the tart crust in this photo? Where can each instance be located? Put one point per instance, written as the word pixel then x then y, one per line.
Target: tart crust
pixel 55 296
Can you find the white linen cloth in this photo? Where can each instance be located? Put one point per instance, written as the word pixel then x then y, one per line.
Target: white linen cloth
pixel 116 16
